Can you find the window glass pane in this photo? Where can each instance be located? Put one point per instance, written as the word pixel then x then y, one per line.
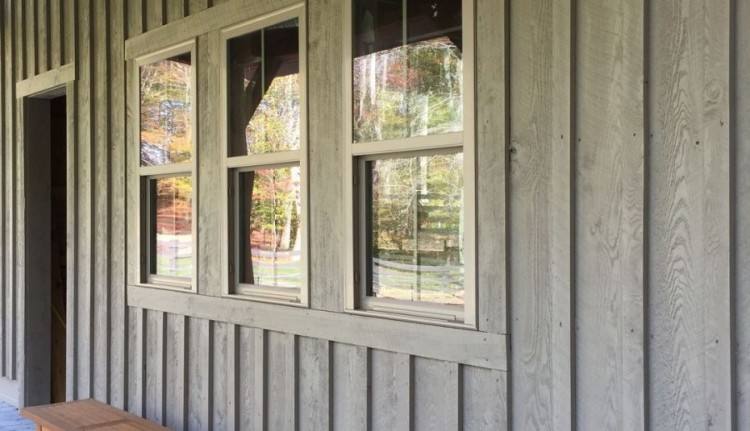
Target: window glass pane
pixel 264 90
pixel 171 226
pixel 407 73
pixel 414 244
pixel 270 210
pixel 165 111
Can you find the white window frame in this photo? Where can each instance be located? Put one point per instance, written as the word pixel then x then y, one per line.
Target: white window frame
pixel 234 165
pixel 357 300
pixel 147 173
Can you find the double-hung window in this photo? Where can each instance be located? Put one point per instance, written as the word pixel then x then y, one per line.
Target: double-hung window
pixel 410 158
pixel 263 92
pixel 166 132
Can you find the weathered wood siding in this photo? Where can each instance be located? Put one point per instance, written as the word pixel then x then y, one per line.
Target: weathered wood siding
pixel 613 143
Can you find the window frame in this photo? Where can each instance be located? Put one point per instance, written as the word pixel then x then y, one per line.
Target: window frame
pixel 232 166
pixel 147 173
pixel 356 153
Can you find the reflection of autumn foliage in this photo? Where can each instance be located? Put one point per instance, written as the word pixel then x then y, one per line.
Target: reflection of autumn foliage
pixel 411 90
pixel 173 205
pixel 275 213
pixel 165 111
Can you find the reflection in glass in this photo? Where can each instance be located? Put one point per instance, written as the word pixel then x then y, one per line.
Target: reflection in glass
pixel 407 74
pixel 264 90
pixel 171 226
pixel 414 244
pixel 165 111
pixel 270 209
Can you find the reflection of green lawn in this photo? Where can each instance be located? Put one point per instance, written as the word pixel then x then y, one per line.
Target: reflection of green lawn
pixel 433 284
pixel 174 266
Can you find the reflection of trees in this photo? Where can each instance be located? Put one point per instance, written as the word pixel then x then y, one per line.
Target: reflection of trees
pixel 165 111
pixel 417 215
pixel 264 117
pixel 411 90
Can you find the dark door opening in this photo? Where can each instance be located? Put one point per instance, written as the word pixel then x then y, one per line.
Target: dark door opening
pixel 58 249
pixel 45 215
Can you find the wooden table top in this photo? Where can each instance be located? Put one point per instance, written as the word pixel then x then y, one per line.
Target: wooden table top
pixel 86 415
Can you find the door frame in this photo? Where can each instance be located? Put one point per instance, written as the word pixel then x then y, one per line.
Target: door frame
pixel 33 375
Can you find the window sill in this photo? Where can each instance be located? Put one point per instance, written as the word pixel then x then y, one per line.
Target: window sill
pixel 164 286
pixel 245 295
pixel 405 316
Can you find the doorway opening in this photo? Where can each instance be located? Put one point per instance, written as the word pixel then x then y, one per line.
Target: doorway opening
pixel 46 224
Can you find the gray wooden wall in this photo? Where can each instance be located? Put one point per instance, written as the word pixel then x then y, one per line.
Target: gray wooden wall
pixel 614 230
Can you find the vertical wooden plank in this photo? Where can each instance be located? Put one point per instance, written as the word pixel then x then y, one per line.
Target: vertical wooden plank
pixel 540 213
pixel 436 392
pixel 485 399
pixel 69 30
pixel 20 71
pixel 249 391
pixel 86 203
pixel 314 384
pixel 20 251
pixel 610 246
pixel 176 372
pixel 136 18
pixel 208 154
pixel 280 396
pixel 136 361
pixel 196 6
pixel 221 375
pixel 101 177
pixel 56 36
pixel 6 62
pixel 118 214
pixel 199 374
pixel 741 121
pixel 389 406
pixel 43 35
pixel 233 377
pixel 689 312
pixel 492 135
pixel 325 146
pixel 155 366
pixel 175 10
pixel 31 41
pixel 71 235
pixel 350 387
pixel 154 14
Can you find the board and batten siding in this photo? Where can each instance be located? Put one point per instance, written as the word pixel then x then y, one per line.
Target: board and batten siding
pixel 613 181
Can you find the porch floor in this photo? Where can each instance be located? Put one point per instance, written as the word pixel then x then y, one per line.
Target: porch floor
pixel 11 420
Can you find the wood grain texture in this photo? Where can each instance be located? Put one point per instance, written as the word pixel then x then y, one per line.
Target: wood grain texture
pixel 609 240
pixel 56 34
pixel 209 152
pixel 492 144
pixel 540 213
pixel 281 371
pixel 43 35
pixel 86 204
pixel 350 387
pixel 176 372
pixel 199 374
pixel 485 399
pixel 741 121
pixel 222 376
pixel 155 340
pixel 101 177
pixel 118 214
pixel 436 390
pixel 155 16
pixel 325 37
pixel 389 404
pixel 314 384
pixel 689 303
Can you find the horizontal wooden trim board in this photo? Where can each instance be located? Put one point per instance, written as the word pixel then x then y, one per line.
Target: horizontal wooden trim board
pixel 463 346
pixel 46 81
pixel 217 17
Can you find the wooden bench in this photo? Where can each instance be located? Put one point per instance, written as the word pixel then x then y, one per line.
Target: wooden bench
pixel 85 415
